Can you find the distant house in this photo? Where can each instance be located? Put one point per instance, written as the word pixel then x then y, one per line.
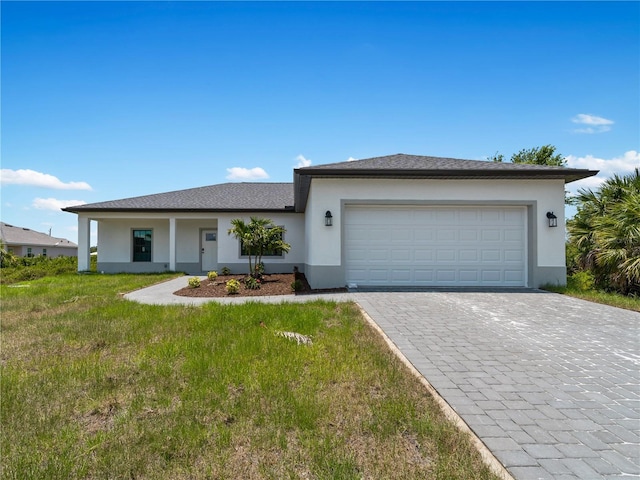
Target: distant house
pixel 24 242
pixel 398 220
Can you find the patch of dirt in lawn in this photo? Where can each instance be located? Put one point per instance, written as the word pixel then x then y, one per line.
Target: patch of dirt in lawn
pixel 272 284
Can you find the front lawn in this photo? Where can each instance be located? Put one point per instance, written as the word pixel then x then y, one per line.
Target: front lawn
pixel 94 386
pixel 606 298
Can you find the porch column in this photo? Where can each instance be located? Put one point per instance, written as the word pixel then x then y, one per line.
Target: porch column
pixel 84 243
pixel 172 244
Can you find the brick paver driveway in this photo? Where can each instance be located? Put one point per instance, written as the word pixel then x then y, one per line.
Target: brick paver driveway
pixel 549 383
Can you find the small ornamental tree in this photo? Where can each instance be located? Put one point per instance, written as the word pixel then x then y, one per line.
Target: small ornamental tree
pixel 257 238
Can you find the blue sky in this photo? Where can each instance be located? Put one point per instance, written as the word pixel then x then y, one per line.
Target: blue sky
pixel 107 100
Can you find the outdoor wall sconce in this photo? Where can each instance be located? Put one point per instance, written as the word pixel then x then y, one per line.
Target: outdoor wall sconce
pixel 328 219
pixel 553 220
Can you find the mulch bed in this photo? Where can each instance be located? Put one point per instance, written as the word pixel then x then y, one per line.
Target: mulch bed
pixel 273 284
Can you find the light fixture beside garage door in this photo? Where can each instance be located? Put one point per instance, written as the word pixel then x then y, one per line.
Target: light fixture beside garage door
pixel 553 220
pixel 328 219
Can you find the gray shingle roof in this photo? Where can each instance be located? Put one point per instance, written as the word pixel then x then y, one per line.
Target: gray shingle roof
pixel 233 197
pixel 239 197
pixel 417 166
pixel 12 235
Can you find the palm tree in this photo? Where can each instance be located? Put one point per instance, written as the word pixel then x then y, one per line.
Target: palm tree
pixel 606 232
pixel 241 231
pixel 258 237
pixel 271 241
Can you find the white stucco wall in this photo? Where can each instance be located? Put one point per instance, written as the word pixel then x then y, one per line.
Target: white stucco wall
pixel 229 248
pixel 115 239
pixel 323 246
pixel 115 236
pixel 188 241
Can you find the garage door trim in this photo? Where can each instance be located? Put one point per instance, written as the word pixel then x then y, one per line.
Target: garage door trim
pixel 434 244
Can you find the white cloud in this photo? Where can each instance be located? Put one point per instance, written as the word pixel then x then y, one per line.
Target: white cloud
pixel 351 159
pixel 595 124
pixel 622 165
pixel 54 203
pixel 38 179
pixel 240 173
pixel 302 162
pixel 588 119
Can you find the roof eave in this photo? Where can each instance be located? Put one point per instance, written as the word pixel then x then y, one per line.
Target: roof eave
pixel 570 174
pixel 177 210
pixel 303 176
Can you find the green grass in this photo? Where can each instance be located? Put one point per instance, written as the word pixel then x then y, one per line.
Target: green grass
pixel 94 386
pixel 597 296
pixel 20 269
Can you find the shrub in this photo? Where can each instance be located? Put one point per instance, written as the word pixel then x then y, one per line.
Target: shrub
pixel 194 282
pixel 31 268
pixel 252 283
pixel 296 285
pixel 225 271
pixel 7 259
pixel 233 286
pixel 259 270
pixel 582 281
pixel 212 275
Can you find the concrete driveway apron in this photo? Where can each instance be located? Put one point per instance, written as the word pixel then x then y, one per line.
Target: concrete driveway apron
pixel 550 384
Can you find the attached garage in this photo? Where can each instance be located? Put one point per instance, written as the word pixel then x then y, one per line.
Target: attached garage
pixel 419 245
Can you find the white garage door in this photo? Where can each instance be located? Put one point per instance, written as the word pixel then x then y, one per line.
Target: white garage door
pixel 435 246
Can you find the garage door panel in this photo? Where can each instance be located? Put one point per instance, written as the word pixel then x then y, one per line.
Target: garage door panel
pixel 379 235
pixel 491 276
pixel 379 275
pixel 401 255
pixel 356 255
pixel 423 255
pixel 447 277
pixel 358 275
pixel 439 246
pixel 355 234
pixel 444 218
pixel 513 256
pixel 469 217
pixel 491 255
pixel 468 235
pixel 469 276
pixel 491 215
pixel 399 235
pixel 491 235
pixel 446 255
pixel 468 255
pixel 422 276
pixel 401 275
pixel 423 216
pixel 513 217
pixel 513 275
pixel 446 234
pixel 513 235
pixel 421 234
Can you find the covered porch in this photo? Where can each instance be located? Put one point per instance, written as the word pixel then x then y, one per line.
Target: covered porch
pixel 150 243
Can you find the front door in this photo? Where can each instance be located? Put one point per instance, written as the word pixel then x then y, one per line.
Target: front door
pixel 209 250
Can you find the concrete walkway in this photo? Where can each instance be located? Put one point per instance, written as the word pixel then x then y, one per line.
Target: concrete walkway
pixel 550 384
